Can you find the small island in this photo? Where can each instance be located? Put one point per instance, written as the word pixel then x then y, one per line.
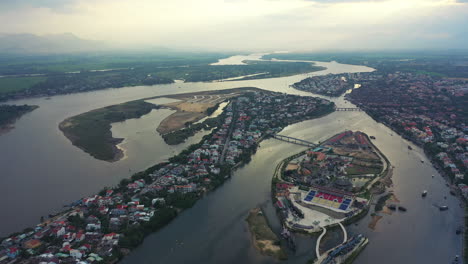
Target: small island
pixel 9 114
pixel 330 185
pixel 264 239
pixel 332 85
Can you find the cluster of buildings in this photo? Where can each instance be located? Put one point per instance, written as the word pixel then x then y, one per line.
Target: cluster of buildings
pixel 345 161
pixel 329 85
pixel 428 111
pixel 93 228
pixel 319 189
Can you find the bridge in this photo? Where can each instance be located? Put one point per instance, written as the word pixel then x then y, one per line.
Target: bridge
pixel 321 257
pixel 348 109
pixel 295 141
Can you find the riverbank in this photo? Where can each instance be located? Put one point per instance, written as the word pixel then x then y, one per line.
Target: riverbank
pixel 9 114
pixel 264 240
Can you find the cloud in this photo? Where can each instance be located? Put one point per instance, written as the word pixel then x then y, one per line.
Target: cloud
pixel 248 24
pixel 57 5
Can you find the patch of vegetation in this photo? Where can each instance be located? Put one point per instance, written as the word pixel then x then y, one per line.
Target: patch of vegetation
pixel 359 170
pixel 381 202
pixel 10 113
pixel 15 84
pixel 91 131
pixel 181 135
pixel 92 75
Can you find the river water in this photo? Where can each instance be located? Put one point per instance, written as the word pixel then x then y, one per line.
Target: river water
pixel 41 171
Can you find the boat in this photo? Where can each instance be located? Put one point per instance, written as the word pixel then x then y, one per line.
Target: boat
pixel 443 208
pixel 424 193
pixel 372 137
pixel 410 148
pixel 422 161
pixel 401 208
pixel 392 207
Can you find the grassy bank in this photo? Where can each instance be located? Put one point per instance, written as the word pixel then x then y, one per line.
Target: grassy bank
pixel 91 131
pixel 10 113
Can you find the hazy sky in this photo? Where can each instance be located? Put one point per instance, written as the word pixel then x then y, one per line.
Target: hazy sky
pixel 247 24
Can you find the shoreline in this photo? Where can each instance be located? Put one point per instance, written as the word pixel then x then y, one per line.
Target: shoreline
pixel 10 125
pixel 382 177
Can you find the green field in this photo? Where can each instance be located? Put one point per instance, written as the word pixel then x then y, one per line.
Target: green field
pixel 14 84
pixel 358 170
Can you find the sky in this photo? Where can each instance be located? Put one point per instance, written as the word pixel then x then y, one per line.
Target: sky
pixel 295 25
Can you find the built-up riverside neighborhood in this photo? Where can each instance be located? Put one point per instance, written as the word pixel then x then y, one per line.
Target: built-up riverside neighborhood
pixel 103 228
pixel 428 110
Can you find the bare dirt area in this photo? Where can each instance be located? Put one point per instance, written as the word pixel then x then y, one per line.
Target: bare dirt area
pixel 177 121
pixel 374 221
pixel 191 108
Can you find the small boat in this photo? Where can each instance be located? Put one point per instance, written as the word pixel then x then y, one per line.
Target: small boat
pixel 422 161
pixel 443 208
pixel 401 208
pixel 424 193
pixel 410 148
pixel 372 137
pixel 392 207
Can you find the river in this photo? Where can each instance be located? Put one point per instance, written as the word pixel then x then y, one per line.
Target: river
pixel 41 171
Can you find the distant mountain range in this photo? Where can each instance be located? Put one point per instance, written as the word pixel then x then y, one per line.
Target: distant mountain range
pixel 47 44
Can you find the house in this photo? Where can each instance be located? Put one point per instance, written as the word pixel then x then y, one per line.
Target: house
pixel 93 227
pixel 32 244
pixel 76 254
pixel 80 237
pixel 58 231
pixel 13 252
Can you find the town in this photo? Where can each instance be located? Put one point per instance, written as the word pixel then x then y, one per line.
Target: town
pixel 429 111
pixel 328 186
pixel 103 228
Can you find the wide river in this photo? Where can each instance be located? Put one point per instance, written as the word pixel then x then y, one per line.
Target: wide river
pixel 41 171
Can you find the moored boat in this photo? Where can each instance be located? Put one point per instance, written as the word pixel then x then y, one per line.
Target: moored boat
pixel 443 208
pixel 424 193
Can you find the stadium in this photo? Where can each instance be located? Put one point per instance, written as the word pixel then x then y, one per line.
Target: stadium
pixel 335 200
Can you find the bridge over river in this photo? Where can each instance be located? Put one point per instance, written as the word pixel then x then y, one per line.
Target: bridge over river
pixel 295 141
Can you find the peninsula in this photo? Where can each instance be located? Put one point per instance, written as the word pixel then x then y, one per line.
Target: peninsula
pixel 105 227
pixel 10 113
pixel 91 131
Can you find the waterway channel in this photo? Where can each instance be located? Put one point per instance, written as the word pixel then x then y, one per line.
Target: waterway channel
pixel 41 171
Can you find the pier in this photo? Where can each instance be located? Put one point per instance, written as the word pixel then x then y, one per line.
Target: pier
pixel 295 141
